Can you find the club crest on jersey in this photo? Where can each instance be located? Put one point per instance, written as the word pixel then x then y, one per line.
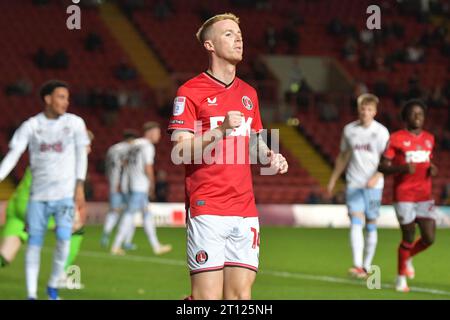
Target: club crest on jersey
pixel 212 102
pixel 407 143
pixel 247 102
pixel 428 144
pixel 178 106
pixel 66 130
pixel 201 257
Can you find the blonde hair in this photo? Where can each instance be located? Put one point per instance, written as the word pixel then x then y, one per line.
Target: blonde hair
pixel 367 98
pixel 206 26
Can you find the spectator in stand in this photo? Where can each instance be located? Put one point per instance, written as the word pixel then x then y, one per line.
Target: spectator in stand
pixel 125 72
pixel 60 60
pixel 93 42
pixel 161 186
pixel 437 98
pixel 21 87
pixel 349 51
pixel 270 38
pixel 445 141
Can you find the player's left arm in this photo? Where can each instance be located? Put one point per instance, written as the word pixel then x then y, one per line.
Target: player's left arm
pixel 260 151
pixel 81 162
pixel 258 147
pixel 149 160
pixel 382 145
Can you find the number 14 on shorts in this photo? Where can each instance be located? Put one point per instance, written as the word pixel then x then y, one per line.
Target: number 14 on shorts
pixel 255 238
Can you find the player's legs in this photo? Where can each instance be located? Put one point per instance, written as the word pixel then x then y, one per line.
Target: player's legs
pixel 238 283
pixel 37 220
pixel 207 285
pixel 75 245
pixel 126 225
pixel 241 258
pixel 372 199
pixel 150 229
pixel 427 235
pixel 64 212
pixel 206 239
pixel 406 215
pixel 356 209
pixel 426 216
pixel 116 204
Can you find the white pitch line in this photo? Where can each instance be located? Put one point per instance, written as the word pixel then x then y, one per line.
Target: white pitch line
pixel 281 274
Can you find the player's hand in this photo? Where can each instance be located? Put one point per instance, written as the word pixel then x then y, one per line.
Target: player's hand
pixel 373 181
pixel 232 120
pixel 278 162
pixel 411 168
pixel 433 170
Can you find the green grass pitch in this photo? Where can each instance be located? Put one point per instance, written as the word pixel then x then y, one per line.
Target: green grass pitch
pixel 295 264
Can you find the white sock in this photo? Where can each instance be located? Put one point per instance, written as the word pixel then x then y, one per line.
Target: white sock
pixel 357 244
pixel 370 245
pixel 125 228
pixel 59 261
pixel 150 230
pixel 130 234
pixel 110 222
pixel 32 264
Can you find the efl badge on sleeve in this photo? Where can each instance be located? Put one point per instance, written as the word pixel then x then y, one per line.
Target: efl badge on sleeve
pixel 178 106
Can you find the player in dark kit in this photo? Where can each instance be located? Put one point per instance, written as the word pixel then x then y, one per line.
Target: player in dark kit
pixel 408 156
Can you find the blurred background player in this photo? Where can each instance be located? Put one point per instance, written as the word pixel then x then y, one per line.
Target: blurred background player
pixel 408 157
pixel 222 219
pixel 362 144
pixel 116 157
pixel 15 233
pixel 57 143
pixel 139 173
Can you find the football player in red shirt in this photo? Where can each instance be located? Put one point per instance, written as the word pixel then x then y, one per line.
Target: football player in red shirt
pixel 216 115
pixel 408 156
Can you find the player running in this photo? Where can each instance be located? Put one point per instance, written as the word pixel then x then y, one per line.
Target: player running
pixel 222 219
pixel 115 165
pixel 57 142
pixel 408 157
pixel 362 144
pixel 140 175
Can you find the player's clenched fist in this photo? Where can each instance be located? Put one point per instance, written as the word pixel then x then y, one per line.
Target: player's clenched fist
pixel 232 120
pixel 278 161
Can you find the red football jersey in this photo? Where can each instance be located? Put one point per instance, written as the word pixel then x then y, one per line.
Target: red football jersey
pixel 405 147
pixel 223 187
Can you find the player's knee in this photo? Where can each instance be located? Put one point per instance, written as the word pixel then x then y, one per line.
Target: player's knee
pixel 36 239
pixel 428 239
pixel 357 220
pixel 63 233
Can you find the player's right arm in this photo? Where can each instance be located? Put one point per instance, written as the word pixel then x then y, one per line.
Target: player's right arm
pixel 17 146
pixel 189 147
pixel 341 163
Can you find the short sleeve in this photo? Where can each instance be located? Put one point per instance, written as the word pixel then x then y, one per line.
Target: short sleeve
pixel 389 153
pixel 81 134
pixel 257 123
pixel 21 137
pixel 149 154
pixel 383 140
pixel 183 113
pixel 344 146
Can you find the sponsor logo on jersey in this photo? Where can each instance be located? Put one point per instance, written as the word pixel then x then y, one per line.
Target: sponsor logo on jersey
pixel 418 156
pixel 178 106
pixel 363 147
pixel 201 257
pixel 247 102
pixel 243 130
pixel 407 143
pixel 66 130
pixel 56 147
pixel 212 102
pixel 176 122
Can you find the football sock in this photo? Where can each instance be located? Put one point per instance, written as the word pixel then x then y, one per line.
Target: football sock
pixel 110 222
pixel 404 252
pixel 370 245
pixel 75 245
pixel 150 230
pixel 125 227
pixel 32 264
pixel 59 261
pixel 357 243
pixel 418 246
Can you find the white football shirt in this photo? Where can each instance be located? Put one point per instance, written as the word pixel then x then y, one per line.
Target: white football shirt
pixel 52 145
pixel 367 146
pixel 115 159
pixel 141 154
